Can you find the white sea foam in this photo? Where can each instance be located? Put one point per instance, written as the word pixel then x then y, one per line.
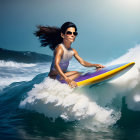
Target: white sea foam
pixel 130 81
pixel 54 100
pixel 14 64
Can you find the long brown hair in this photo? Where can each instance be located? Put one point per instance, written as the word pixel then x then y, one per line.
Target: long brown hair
pixel 51 36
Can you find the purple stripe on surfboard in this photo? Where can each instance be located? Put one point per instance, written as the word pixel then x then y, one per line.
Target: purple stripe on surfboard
pixel 96 73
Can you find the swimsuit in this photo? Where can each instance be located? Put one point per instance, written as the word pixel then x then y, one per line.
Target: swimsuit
pixel 64 62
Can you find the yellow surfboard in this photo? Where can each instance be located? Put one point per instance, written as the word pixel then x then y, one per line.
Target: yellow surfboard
pixel 103 74
pixel 106 73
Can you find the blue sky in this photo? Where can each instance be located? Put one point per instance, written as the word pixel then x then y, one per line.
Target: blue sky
pixel 107 28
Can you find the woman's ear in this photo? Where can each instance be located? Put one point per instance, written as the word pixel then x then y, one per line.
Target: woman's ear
pixel 62 35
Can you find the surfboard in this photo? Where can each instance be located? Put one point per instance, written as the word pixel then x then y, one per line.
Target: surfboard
pixel 104 74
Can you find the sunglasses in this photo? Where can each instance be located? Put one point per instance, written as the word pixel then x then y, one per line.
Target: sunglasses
pixel 70 33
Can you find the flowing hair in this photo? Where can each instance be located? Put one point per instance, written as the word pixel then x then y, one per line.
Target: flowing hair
pixel 51 36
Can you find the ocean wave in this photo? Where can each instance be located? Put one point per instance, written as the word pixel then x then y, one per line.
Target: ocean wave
pixel 55 100
pixel 130 82
pixel 97 106
pixel 11 72
pixel 93 107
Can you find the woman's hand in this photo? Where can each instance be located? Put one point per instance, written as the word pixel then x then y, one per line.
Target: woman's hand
pixel 99 66
pixel 71 83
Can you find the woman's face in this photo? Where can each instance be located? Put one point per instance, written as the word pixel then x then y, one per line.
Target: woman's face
pixel 69 35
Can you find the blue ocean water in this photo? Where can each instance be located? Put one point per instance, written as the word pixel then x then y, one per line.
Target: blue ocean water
pixel 33 106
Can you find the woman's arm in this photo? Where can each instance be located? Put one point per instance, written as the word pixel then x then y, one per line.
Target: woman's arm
pixel 84 63
pixel 58 55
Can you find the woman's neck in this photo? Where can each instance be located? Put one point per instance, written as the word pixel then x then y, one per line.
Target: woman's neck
pixel 67 44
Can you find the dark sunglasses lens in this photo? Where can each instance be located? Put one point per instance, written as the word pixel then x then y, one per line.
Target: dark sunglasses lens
pixel 69 33
pixel 75 33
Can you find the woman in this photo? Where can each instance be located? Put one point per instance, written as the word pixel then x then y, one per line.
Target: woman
pixel 60 40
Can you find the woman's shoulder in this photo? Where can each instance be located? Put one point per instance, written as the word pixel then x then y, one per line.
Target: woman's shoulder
pixel 74 50
pixel 58 48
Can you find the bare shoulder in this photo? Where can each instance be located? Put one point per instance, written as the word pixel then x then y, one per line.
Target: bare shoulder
pixel 75 52
pixel 59 49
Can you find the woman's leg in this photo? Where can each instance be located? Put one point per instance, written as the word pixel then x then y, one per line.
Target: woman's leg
pixel 72 74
